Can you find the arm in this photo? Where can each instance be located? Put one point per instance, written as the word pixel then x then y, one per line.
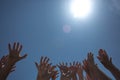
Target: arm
pixel 13 57
pixel 92 69
pixel 45 70
pixel 107 63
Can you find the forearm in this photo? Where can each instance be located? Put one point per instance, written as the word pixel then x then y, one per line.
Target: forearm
pixel 6 70
pixel 102 76
pixel 81 77
pixel 40 77
pixel 74 77
pixel 115 72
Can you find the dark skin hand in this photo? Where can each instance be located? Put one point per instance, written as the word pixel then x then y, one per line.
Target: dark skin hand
pixel 89 65
pixel 65 73
pixel 14 53
pixel 12 58
pixel 104 59
pixel 45 70
pixel 107 63
pixel 80 71
pixel 73 70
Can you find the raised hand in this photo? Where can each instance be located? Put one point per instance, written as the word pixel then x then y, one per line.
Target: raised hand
pixel 65 73
pixel 90 67
pixel 87 69
pixel 80 71
pixel 73 69
pixel 94 71
pixel 45 70
pixel 14 52
pixel 107 62
pixel 3 62
pixel 55 74
pixel 7 63
pixel 104 58
pixel 90 58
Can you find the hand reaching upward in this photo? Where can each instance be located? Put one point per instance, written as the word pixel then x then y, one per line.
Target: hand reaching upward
pixel 14 52
pixel 45 70
pixel 104 58
pixel 65 72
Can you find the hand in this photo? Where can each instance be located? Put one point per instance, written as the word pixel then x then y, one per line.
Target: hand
pixel 104 58
pixel 90 59
pixel 54 75
pixel 45 70
pixel 86 67
pixel 79 71
pixel 14 53
pixel 3 62
pixel 65 73
pixel 90 67
pixel 73 69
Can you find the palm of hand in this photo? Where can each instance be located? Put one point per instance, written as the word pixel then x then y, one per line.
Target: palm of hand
pixel 65 73
pixel 104 59
pixel 14 53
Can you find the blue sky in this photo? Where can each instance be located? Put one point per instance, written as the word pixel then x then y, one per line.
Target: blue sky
pixel 38 26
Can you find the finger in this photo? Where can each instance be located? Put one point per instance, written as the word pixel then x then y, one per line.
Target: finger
pixel 100 51
pixel 110 59
pixel 105 53
pixel 19 49
pixel 41 60
pixel 12 70
pixel 23 56
pixel 17 46
pixel 45 60
pixel 9 47
pixel 99 58
pixel 36 64
pixel 14 45
pixel 52 68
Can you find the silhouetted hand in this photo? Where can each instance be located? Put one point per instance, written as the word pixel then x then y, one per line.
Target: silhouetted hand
pixel 90 67
pixel 80 71
pixel 107 62
pixel 54 75
pixel 104 58
pixel 8 62
pixel 87 69
pixel 65 73
pixel 73 70
pixel 45 70
pixel 14 53
pixel 93 71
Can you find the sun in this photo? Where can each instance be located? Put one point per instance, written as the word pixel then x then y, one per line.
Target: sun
pixel 81 8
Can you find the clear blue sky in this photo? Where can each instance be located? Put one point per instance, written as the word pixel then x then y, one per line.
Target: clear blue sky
pixel 38 26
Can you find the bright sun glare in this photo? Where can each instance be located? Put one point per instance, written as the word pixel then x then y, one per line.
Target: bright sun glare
pixel 81 8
